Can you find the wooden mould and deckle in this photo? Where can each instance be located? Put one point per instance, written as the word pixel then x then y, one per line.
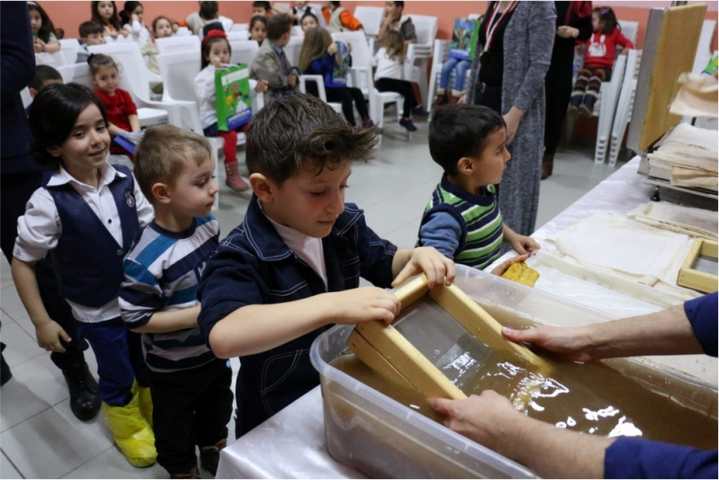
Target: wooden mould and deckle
pixel 384 349
pixel 690 276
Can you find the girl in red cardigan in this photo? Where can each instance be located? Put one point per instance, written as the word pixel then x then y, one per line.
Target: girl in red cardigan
pixel 603 46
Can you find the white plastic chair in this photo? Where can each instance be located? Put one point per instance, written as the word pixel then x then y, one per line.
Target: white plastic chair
pixel 292 50
pixel 608 97
pixel 606 105
pixel 296 31
pixel 135 77
pixel 52 59
pixel 179 72
pixel 371 18
pixel 321 92
pixel 69 48
pixel 704 47
pixel 77 73
pixel 243 51
pixel 237 35
pixel 420 52
pixel 362 78
pixel 240 26
pixel 625 104
pixel 176 43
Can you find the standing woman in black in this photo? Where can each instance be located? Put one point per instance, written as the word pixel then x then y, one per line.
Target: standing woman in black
pixel 574 22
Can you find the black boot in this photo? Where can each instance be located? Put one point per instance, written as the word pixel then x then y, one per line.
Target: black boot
pixel 547 165
pixel 210 456
pixel 5 373
pixel 84 391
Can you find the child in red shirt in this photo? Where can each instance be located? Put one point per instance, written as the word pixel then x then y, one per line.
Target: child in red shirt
pixel 119 106
pixel 605 44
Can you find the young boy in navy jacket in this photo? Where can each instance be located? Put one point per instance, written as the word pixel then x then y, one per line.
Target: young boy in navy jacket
pixel 292 268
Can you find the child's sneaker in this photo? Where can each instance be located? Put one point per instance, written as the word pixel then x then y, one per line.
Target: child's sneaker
pixel 368 123
pixel 210 456
pixel 408 124
pixel 131 433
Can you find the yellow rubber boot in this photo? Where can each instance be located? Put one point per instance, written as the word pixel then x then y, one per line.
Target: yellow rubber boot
pixel 131 432
pixel 145 397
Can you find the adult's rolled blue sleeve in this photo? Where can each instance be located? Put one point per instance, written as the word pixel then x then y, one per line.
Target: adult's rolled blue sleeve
pixel 632 457
pixel 441 231
pixel 702 314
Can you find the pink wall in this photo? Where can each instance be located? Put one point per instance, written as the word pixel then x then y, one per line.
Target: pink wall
pixel 69 14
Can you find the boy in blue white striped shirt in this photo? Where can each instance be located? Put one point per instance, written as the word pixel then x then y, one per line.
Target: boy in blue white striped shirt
pixel 190 387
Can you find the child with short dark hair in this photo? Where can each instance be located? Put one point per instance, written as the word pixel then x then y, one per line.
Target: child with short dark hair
pixel 602 49
pixel 192 399
pixel 271 64
pixel 462 220
pixel 44 75
pixel 91 33
pixel 262 8
pixel 87 215
pixel 258 29
pixel 292 268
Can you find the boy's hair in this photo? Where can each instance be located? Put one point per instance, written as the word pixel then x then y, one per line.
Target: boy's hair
pixel 47 26
pixel 215 35
pixel 209 10
pixel 278 25
pixel 608 18
pixel 303 130
pixel 96 61
pixel 44 73
pixel 266 6
pixel 399 4
pixel 458 131
pixel 114 19
pixel 90 27
pixel 161 154
pixel 53 114
pixel 335 4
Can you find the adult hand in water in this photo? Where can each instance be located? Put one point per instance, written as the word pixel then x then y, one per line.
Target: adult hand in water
pixel 484 418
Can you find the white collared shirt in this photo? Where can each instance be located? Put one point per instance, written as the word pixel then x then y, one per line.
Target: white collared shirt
pixel 39 229
pixel 309 249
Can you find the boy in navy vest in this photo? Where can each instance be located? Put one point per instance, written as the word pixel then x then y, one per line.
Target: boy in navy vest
pixel 86 216
pixel 462 220
pixel 292 268
pixel 190 387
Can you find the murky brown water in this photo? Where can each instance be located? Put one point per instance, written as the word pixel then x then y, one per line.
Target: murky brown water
pixel 590 398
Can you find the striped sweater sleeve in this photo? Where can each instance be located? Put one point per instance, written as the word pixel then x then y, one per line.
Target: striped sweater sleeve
pixel 140 296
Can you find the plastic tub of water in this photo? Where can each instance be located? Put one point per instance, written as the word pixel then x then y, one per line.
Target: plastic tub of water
pixel 382 437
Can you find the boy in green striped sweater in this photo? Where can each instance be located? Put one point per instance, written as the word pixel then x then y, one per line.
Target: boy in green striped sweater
pixel 462 220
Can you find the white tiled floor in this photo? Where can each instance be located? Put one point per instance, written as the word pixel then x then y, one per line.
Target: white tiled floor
pixel 39 436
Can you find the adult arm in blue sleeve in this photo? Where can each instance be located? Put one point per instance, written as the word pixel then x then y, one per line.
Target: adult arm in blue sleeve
pixel 631 457
pixel 702 315
pixel 443 232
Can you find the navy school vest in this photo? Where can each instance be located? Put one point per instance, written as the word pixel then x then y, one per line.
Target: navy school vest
pixel 87 257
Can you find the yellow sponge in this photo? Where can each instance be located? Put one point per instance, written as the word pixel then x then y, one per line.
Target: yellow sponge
pixel 521 273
